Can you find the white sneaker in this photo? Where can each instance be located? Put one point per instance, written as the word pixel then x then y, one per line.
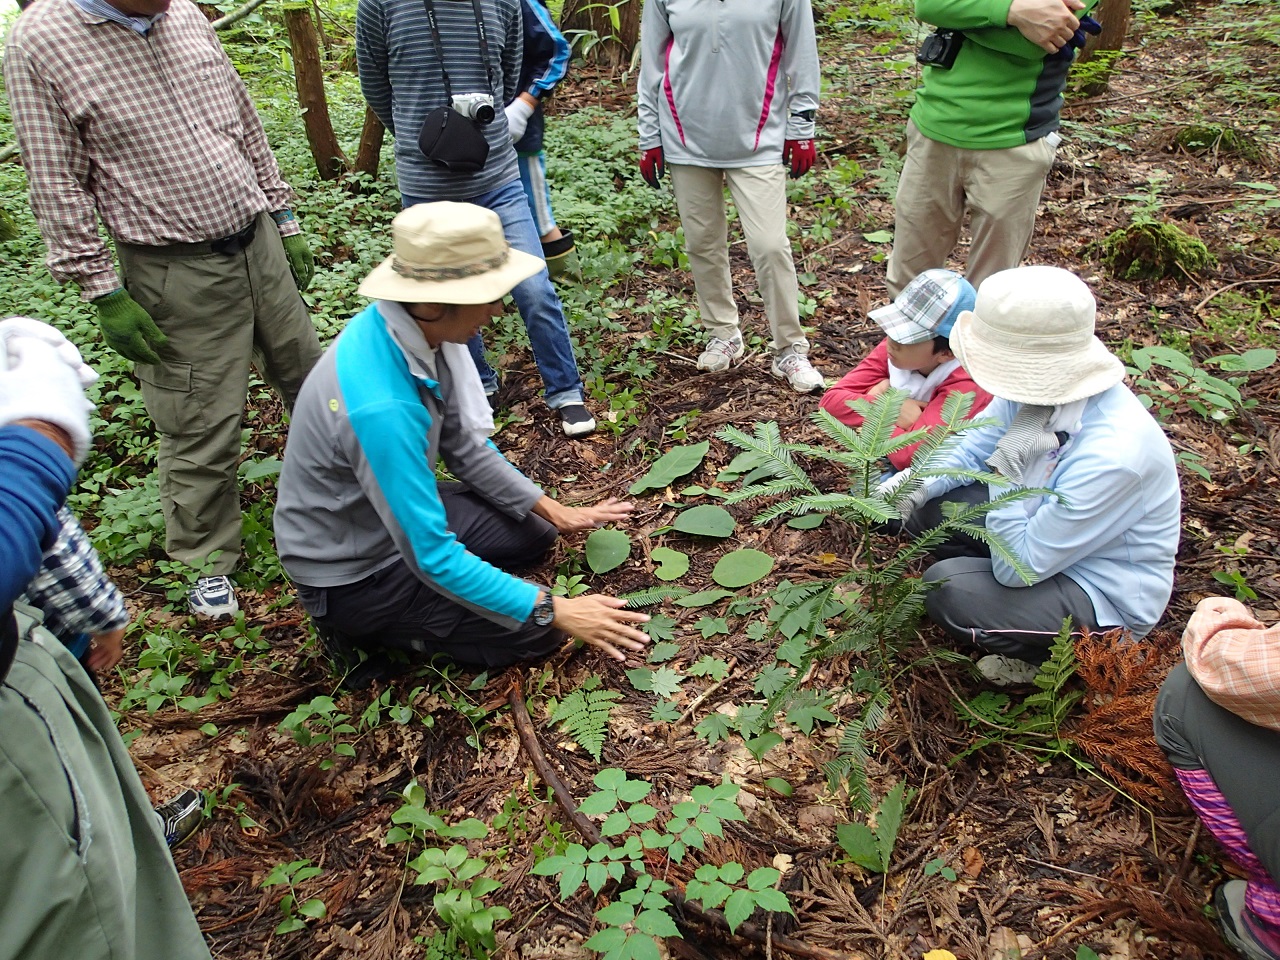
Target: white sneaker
pixel 1007 671
pixel 720 353
pixel 794 367
pixel 213 597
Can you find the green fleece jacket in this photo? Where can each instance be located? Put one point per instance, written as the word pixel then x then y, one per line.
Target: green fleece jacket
pixel 1003 90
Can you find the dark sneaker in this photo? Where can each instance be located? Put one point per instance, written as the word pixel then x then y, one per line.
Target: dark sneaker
pixel 1239 928
pixel 576 420
pixel 213 597
pixel 180 817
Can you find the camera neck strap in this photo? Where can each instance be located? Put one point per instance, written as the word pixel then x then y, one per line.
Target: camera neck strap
pixel 439 45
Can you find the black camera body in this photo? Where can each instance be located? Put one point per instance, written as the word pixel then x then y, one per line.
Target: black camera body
pixel 940 49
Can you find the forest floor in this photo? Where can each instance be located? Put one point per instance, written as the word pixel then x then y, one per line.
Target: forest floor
pixel 1002 854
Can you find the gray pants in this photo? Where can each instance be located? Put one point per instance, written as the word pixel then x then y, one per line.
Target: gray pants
pixel 84 870
pixel 972 606
pixel 395 610
pixel 221 313
pixel 1242 758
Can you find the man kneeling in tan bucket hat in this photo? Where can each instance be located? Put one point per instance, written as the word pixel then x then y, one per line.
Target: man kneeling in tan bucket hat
pixel 385 557
pixel 1101 550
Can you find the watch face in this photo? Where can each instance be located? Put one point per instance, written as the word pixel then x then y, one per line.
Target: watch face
pixel 544 612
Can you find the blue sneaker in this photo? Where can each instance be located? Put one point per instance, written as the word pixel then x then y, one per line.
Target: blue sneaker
pixel 180 817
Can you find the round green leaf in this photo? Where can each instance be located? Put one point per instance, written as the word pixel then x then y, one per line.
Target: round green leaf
pixel 672 564
pixel 806 521
pixel 705 520
pixel 741 567
pixel 607 549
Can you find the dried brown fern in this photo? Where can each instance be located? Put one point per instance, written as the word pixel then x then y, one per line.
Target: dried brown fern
pixel 1114 728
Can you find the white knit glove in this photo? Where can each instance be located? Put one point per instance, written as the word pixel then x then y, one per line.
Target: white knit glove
pixel 907 504
pixel 37 383
pixel 12 327
pixel 518 112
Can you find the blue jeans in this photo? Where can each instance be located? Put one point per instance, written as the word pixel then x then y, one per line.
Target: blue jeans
pixel 536 299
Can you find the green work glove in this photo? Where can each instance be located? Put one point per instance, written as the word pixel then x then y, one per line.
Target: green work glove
pixel 127 328
pixel 301 264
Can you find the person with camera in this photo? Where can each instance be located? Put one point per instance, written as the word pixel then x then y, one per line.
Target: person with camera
pixel 728 94
pixel 387 559
pixel 129 112
pixel 983 132
pixel 438 74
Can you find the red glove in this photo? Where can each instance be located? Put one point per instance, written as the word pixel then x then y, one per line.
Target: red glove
pixel 652 166
pixel 801 154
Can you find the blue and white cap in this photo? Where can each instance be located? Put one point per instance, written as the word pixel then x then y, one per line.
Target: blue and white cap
pixel 927 307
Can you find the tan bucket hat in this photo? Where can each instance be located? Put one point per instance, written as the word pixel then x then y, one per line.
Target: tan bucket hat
pixel 1029 338
pixel 448 253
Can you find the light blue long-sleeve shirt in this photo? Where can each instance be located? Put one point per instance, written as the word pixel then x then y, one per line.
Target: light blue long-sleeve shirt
pixel 1115 529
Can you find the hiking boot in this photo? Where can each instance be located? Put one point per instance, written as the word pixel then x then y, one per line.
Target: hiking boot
pixel 180 817
pixel 213 597
pixel 792 365
pixel 576 420
pixel 721 353
pixel 562 256
pixel 1240 928
pixel 1007 671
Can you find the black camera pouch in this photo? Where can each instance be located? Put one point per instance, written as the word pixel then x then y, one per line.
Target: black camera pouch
pixel 450 140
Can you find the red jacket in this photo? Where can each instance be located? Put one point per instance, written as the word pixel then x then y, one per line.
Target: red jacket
pixel 855 384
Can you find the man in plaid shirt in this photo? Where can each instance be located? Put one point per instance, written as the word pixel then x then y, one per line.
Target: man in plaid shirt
pixel 129 112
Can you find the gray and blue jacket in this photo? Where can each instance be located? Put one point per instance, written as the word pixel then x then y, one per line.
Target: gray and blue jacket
pixel 721 84
pixel 358 489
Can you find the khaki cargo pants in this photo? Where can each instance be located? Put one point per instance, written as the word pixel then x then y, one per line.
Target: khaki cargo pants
pixel 221 313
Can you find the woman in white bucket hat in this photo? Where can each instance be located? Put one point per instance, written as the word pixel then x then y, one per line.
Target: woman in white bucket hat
pixel 1101 550
pixel 385 557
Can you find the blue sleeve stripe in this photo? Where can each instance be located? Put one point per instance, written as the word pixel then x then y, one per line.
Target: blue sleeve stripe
pixel 558 66
pixel 391 426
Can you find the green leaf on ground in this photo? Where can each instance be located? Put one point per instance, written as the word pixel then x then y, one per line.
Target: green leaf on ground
pixel 671 466
pixel 741 567
pixel 672 564
pixel 607 549
pixel 705 520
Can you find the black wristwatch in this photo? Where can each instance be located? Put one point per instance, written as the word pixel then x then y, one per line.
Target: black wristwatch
pixel 544 611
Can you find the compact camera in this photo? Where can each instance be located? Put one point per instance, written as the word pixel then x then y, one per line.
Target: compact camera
pixel 940 48
pixel 475 106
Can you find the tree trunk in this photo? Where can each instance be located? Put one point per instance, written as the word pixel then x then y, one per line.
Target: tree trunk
pixel 1114 17
pixel 370 144
pixel 330 160
pixel 605 32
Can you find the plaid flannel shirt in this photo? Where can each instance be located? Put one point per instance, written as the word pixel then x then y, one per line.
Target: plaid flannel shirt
pixel 153 133
pixel 72 590
pixel 1236 659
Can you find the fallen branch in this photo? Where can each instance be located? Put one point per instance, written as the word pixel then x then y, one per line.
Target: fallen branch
pixel 587 828
pixel 1239 283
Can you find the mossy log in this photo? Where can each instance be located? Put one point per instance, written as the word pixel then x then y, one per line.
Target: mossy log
pixel 1149 249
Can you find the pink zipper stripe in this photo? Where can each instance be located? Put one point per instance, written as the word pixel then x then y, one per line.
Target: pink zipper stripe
pixel 771 82
pixel 666 88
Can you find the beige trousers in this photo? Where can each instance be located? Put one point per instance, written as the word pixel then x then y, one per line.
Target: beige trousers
pixel 221 314
pixel 760 194
pixel 1000 189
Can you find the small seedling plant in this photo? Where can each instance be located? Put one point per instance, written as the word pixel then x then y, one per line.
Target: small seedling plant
pixel 320 723
pixel 297 912
pixel 641 909
pixel 460 897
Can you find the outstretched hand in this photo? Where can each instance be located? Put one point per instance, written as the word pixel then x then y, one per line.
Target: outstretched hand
pixel 576 519
pixel 601 622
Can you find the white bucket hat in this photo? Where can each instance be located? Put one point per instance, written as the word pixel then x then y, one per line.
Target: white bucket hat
pixel 1029 338
pixel 448 253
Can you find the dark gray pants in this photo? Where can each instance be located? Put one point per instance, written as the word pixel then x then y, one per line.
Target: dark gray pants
pixel 395 610
pixel 1242 758
pixel 975 608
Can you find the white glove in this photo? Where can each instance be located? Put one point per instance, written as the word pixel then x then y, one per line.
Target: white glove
pixel 518 112
pixel 37 383
pixel 13 327
pixel 908 504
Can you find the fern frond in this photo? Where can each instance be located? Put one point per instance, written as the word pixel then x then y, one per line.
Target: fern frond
pixel 647 598
pixel 584 715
